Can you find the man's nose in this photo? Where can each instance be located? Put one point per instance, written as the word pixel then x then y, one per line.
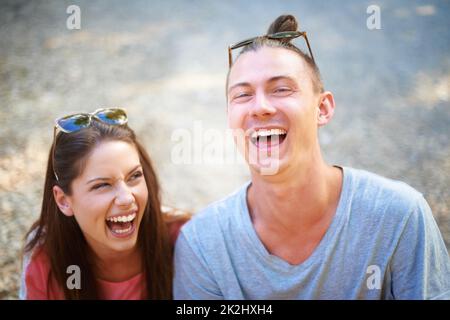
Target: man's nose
pixel 124 196
pixel 262 107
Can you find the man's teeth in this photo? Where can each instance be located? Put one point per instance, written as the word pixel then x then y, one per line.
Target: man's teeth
pixel 267 132
pixel 127 218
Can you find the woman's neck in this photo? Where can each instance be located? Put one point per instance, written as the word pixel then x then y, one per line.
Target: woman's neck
pixel 117 266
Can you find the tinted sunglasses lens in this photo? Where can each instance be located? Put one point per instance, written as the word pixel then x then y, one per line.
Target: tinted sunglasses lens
pixel 242 43
pixel 74 123
pixel 112 116
pixel 285 35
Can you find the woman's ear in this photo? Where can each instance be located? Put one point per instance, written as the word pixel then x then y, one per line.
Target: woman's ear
pixel 62 201
pixel 325 108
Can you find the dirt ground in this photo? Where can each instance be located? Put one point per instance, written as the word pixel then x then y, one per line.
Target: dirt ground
pixel 166 63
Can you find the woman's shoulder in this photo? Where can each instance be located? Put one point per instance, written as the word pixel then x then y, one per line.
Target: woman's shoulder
pixel 35 274
pixel 175 219
pixel 37 262
pixel 37 283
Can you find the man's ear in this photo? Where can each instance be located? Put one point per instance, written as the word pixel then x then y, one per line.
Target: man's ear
pixel 62 201
pixel 325 108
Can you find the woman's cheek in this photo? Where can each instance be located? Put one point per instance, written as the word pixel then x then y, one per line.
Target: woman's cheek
pixel 143 194
pixel 97 210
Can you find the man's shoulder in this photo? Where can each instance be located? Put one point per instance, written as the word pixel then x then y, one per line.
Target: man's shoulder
pixel 378 183
pixel 377 192
pixel 380 210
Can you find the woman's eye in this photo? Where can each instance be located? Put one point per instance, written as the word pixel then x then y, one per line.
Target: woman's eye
pixel 136 175
pixel 100 186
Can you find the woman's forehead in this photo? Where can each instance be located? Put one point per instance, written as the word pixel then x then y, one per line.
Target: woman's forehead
pixel 111 156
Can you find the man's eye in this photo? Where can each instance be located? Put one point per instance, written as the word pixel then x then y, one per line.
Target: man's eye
pixel 283 90
pixel 241 96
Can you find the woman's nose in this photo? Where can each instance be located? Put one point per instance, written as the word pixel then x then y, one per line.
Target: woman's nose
pixel 124 196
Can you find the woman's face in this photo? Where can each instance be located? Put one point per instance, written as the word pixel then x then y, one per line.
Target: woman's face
pixel 109 198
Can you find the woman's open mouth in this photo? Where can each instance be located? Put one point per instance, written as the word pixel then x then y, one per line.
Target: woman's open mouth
pixel 268 138
pixel 122 226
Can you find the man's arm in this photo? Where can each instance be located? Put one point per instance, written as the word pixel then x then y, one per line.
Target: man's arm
pixel 193 279
pixel 421 265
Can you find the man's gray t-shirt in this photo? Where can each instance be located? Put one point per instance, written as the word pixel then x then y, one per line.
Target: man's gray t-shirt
pixel 383 243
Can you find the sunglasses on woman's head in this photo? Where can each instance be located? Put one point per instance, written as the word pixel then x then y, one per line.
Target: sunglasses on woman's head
pixel 78 121
pixel 274 36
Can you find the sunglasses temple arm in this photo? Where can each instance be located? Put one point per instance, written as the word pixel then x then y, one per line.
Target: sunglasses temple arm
pixel 229 57
pixel 309 48
pixel 53 153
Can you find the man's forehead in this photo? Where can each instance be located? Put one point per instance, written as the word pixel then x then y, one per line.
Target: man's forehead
pixel 265 64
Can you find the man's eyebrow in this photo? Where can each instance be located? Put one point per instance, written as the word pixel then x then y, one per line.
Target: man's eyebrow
pixel 273 79
pixel 240 84
pixel 284 77
pixel 106 179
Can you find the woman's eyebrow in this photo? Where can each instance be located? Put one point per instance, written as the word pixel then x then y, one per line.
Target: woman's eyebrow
pixel 98 178
pixel 107 179
pixel 134 169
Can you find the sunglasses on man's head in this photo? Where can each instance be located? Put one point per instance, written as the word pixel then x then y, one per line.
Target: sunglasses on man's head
pixel 274 36
pixel 78 121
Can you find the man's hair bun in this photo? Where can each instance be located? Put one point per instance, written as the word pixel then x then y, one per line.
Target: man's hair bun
pixel 283 23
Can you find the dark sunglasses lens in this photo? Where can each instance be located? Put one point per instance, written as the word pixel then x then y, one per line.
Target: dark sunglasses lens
pixel 242 43
pixel 112 116
pixel 285 35
pixel 74 123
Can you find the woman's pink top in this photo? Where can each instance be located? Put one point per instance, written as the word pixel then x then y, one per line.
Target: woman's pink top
pixel 37 285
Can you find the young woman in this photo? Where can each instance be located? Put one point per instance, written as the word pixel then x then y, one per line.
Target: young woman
pixel 101 233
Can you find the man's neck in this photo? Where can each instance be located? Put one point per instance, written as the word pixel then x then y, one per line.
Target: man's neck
pixel 296 200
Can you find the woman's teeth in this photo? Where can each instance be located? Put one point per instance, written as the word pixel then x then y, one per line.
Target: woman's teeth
pixel 121 225
pixel 127 218
pixel 123 230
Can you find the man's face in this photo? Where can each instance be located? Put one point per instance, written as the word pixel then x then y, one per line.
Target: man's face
pixel 271 98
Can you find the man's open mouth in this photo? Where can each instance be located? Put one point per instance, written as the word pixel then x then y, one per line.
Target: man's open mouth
pixel 268 137
pixel 122 225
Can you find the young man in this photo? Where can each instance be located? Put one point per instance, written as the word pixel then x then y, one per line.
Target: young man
pixel 304 229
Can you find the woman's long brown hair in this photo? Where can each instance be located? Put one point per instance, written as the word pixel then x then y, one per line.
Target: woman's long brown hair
pixel 61 237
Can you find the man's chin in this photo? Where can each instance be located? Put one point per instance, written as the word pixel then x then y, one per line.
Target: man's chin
pixel 266 167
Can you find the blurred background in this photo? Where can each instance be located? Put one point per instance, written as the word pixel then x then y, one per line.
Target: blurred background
pixel 166 63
